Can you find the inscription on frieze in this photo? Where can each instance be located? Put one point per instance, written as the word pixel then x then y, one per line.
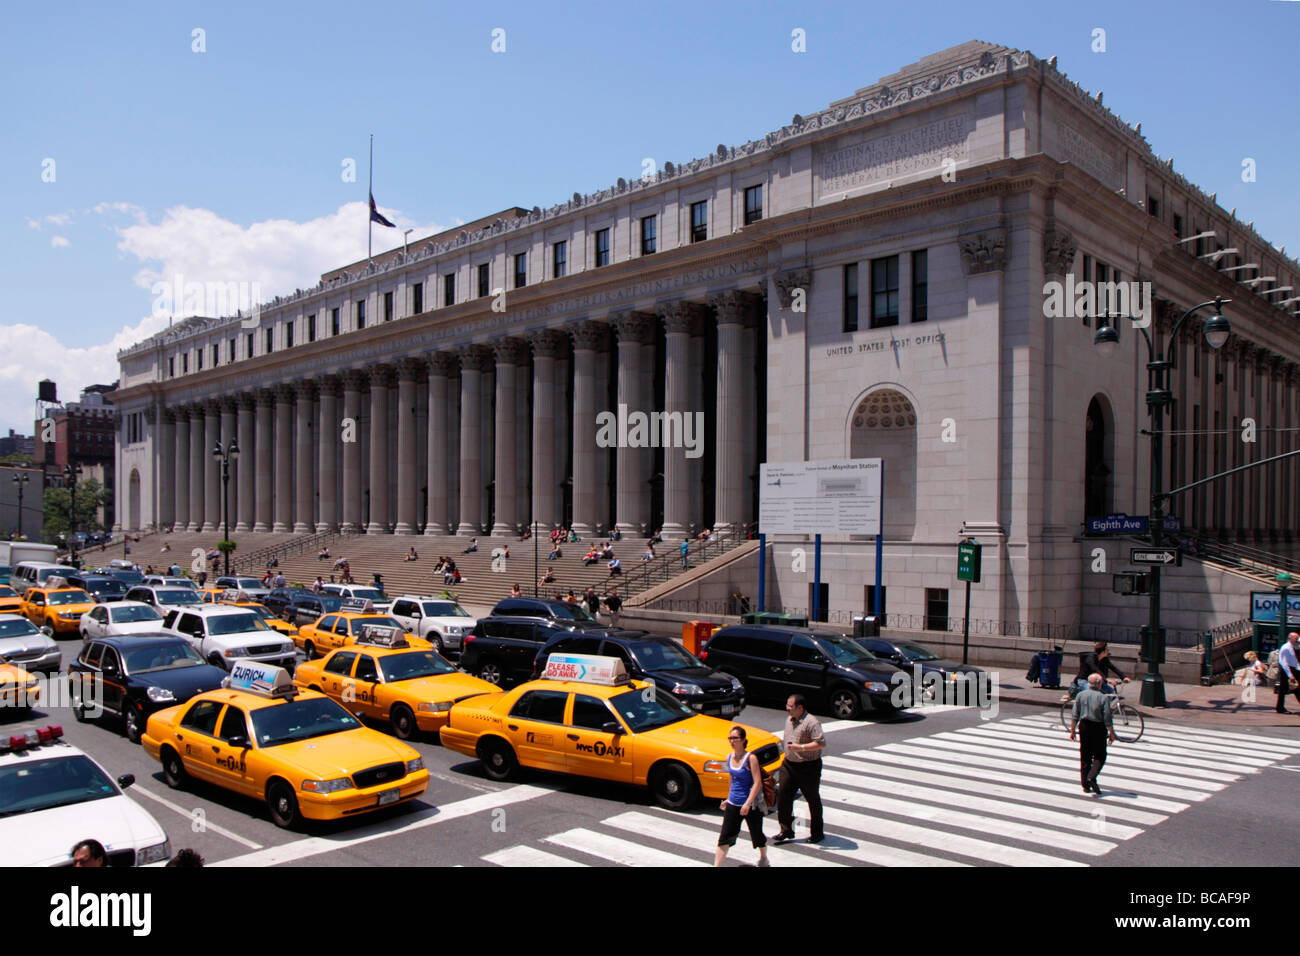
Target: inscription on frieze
pixel 898 154
pixel 1087 155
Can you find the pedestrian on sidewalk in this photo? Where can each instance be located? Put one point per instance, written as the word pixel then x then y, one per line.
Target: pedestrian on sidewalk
pixel 1099 662
pixel 1288 662
pixel 744 800
pixel 1092 720
pixel 615 605
pixel 802 770
pixel 685 550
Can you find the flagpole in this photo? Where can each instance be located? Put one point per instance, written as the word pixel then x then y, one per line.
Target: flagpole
pixel 370 225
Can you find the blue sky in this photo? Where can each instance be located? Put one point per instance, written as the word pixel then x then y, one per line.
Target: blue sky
pixel 227 163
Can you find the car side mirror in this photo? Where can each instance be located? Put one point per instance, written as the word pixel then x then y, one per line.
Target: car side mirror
pixel 239 743
pixel 612 727
pixel 47 631
pixel 126 780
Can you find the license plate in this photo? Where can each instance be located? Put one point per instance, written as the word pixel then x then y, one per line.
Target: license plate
pixel 389 796
pixel 729 709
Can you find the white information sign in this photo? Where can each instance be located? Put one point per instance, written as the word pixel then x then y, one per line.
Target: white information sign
pixel 821 497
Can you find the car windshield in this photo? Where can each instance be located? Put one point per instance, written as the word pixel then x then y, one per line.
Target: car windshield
pixel 368 594
pixel 106 586
pixel 663 656
pixel 182 583
pixel 413 664
pixel 243 583
pixel 219 624
pixel 51 782
pixel 161 657
pixel 16 627
pixel 844 651
pixel 7 592
pixel 263 614
pixel 443 609
pixel 130 577
pixel 132 615
pixel 178 596
pixel 573 612
pixel 374 620
pixel 76 596
pixel 645 713
pixel 300 720
pixel 915 652
pixel 329 604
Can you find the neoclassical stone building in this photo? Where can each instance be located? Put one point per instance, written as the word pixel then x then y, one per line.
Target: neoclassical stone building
pixel 867 281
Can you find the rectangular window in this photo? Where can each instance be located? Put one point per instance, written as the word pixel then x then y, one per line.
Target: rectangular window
pixel 559 259
pixel 231 350
pixel 388 306
pixel 185 363
pixel 198 355
pixel 361 313
pixel 521 270
pixel 449 289
pixel 869 595
pixel 270 341
pixel 216 355
pixel 1153 206
pixel 851 298
pixel 936 609
pixel 171 366
pixel 1178 225
pixel 602 247
pixel 484 279
pixel 334 321
pixel 1086 277
pixel 417 298
pixel 884 292
pixel 1101 275
pixel 753 204
pixel 920 285
pixel 649 233
pixel 311 327
pixel 248 343
pixel 699 221
pixel 288 335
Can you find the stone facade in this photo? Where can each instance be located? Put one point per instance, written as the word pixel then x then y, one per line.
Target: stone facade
pixel 952 193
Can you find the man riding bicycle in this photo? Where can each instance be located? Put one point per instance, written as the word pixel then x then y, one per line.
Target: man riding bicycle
pixel 1097 661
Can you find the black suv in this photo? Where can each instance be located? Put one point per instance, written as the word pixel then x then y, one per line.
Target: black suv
pixel 502 648
pixel 277 599
pixel 309 608
pixel 827 668
pixel 102 587
pixel 658 659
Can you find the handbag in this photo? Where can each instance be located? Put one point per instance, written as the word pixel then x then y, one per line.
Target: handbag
pixel 769 791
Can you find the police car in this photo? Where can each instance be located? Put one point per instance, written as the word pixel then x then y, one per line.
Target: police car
pixel 587 717
pixel 297 751
pixel 52 796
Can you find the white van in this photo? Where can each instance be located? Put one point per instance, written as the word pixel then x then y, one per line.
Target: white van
pixel 32 574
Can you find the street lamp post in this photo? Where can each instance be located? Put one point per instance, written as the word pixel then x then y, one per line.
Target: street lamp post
pixel 20 480
pixel 71 473
pixel 1217 330
pixel 1283 619
pixel 226 455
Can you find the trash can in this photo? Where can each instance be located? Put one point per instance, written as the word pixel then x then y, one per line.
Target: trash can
pixel 868 626
pixel 1049 668
pixel 762 617
pixel 695 634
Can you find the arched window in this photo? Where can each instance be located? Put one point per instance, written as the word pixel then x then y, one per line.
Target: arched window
pixel 1099 460
pixel 884 426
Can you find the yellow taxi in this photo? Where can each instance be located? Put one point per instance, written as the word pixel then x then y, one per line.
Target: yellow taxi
pixel 383 678
pixel 211 595
pixel 298 751
pixel 19 690
pixel 60 609
pixel 240 599
pixel 332 631
pixel 11 602
pixel 586 717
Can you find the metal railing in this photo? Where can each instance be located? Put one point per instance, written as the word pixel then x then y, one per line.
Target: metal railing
pixel 667 566
pixel 1243 557
pixel 257 559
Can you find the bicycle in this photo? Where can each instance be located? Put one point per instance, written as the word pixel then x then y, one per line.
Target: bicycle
pixel 1126 720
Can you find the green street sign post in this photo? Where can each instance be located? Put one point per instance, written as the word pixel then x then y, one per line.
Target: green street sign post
pixel 968 569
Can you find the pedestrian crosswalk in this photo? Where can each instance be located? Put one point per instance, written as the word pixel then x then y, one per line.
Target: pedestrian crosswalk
pixel 1002 792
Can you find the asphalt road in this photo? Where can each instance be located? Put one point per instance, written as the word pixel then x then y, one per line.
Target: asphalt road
pixel 937 786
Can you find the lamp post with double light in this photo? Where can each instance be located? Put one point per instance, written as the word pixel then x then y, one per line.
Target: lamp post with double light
pixel 1158 397
pixel 226 454
pixel 71 473
pixel 20 481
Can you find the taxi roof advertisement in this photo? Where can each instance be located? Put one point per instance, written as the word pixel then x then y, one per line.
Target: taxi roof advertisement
pixel 587 668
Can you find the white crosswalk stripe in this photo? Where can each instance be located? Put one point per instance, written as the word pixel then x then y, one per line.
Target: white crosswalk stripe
pixel 1002 792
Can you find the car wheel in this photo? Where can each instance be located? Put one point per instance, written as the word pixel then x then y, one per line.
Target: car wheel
pixel 310 650
pixel 845 704
pixel 498 759
pixel 173 769
pixel 216 660
pixel 78 704
pixel 403 721
pixel 134 721
pixel 674 786
pixel 490 671
pixel 438 646
pixel 283 804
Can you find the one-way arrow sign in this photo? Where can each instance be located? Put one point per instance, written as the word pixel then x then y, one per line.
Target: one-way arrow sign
pixel 1155 556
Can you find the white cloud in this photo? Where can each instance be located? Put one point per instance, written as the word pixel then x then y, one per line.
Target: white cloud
pixel 33 224
pixel 59 242
pixel 59 219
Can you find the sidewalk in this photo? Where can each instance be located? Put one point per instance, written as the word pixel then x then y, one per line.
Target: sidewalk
pixel 1220 704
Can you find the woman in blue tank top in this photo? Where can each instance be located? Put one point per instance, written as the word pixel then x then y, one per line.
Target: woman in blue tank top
pixel 744 801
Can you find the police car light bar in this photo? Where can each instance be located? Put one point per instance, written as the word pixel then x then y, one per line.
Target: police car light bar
pixel 586 669
pixel 382 635
pixel 264 680
pixel 17 743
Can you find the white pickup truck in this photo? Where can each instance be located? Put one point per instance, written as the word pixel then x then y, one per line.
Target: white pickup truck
pixel 442 622
pixel 223 634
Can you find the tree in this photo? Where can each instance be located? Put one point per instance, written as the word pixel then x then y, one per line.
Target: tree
pixel 58 506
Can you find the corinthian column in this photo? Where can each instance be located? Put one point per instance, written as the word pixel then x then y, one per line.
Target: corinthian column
pixel 440 366
pixel 181 505
pixel 283 457
pixel 327 437
pixel 473 363
pixel 408 513
pixel 509 353
pixel 353 380
pixel 211 467
pixel 587 338
pixel 198 466
pixel 304 499
pixel 546 509
pixel 229 421
pixel 681 320
pixel 265 458
pixel 732 310
pixel 381 378
pixel 634 329
pixel 245 465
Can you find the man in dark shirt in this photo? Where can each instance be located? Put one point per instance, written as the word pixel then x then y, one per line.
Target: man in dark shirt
pixel 1097 662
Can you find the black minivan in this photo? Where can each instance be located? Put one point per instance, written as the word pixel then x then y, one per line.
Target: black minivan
pixel 827 668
